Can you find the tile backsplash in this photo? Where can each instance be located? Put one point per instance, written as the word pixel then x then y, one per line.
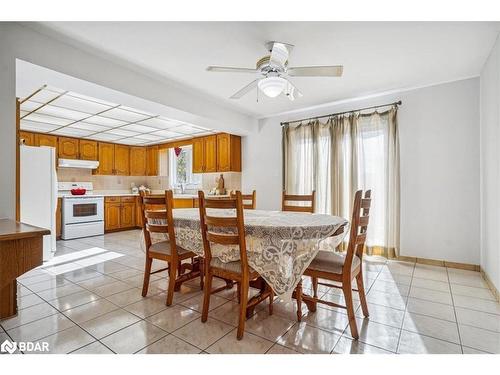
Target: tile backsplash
pixel 99 182
pixel 232 180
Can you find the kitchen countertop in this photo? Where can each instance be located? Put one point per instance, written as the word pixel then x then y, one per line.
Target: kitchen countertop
pixel 127 193
pixel 14 230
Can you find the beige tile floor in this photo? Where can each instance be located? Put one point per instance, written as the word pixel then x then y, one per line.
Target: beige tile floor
pixel 88 300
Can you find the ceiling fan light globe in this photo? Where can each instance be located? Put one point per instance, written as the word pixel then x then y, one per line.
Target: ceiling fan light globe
pixel 272 86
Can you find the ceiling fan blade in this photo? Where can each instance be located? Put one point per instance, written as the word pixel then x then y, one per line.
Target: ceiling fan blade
pixel 279 53
pixel 316 71
pixel 291 91
pixel 228 69
pixel 245 90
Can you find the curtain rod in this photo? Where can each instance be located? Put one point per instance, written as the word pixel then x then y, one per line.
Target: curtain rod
pixel 399 102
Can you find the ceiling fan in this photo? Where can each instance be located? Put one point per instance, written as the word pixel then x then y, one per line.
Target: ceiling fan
pixel 273 72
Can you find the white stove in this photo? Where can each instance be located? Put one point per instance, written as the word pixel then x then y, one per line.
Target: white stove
pixel 82 215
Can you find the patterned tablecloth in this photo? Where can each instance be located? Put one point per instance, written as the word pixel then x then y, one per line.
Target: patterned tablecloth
pixel 280 245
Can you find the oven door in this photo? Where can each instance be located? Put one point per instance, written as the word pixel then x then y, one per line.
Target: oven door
pixel 83 210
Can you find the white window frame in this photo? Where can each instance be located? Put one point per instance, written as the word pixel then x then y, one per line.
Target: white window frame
pixel 193 180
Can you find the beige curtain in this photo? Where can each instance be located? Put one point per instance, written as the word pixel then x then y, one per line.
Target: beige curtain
pixel 345 154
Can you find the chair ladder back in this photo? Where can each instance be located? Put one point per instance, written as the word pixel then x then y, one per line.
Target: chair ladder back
pixel 311 198
pixel 158 207
pixel 209 223
pixel 360 222
pixel 249 200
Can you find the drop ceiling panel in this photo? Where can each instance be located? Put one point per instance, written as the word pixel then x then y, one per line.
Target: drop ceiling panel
pixel 37 126
pixel 29 106
pixel 167 134
pixel 78 104
pixel 131 141
pixel 122 132
pixel 74 132
pixel 186 129
pixel 104 121
pixel 160 123
pixel 91 127
pixel 125 115
pixel 44 96
pixel 62 112
pixel 47 119
pixel 105 137
pixel 149 137
pixel 89 98
pixel 139 128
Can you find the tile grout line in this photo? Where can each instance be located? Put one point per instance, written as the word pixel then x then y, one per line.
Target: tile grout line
pixel 455 313
pixel 406 308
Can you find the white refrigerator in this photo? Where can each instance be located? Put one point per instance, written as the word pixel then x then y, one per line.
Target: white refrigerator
pixel 38 192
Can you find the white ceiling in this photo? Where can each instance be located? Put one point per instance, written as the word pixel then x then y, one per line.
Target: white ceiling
pixel 377 56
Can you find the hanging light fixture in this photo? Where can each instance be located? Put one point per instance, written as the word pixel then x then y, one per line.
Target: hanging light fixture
pixel 272 86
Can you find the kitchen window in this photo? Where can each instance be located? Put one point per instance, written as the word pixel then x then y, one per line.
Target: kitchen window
pixel 181 168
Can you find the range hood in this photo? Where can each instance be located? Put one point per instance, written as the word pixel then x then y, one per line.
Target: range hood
pixel 74 163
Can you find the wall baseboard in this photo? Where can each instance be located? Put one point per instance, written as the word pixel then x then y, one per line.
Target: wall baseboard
pixel 441 263
pixel 461 266
pixel 492 286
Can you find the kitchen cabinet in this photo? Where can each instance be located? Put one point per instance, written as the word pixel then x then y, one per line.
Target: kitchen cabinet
pixel 29 138
pixel 112 215
pixel 183 203
pixel 45 140
pixel 122 160
pixel 198 155
pixel 228 153
pixel 106 158
pixel 119 213
pixel 87 150
pixel 205 154
pixel 152 161
pixel 67 148
pixel 138 161
pixel 127 215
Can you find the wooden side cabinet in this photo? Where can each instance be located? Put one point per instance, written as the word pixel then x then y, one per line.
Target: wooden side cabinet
pixel 27 138
pixel 210 153
pixel 46 140
pixel 88 150
pixel 198 155
pixel 106 158
pixel 228 153
pixel 138 161
pixel 67 148
pixel 152 161
pixel 122 160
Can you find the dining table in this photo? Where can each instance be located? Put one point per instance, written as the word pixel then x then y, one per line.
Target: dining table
pixel 280 245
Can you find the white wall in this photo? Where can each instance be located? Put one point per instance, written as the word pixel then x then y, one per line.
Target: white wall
pixel 490 164
pixel 20 42
pixel 439 144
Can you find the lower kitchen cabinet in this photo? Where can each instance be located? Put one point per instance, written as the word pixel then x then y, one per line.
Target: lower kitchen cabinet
pixel 184 203
pixel 112 216
pixel 119 213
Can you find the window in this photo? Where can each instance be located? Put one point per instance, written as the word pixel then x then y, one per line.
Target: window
pixel 181 169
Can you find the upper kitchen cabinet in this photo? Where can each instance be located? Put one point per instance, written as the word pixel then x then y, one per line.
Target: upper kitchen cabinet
pixel 228 153
pixel 137 161
pixel 152 161
pixel 88 149
pixel 68 148
pixel 45 140
pixel 122 160
pixel 198 155
pixel 27 138
pixel 106 158
pixel 205 154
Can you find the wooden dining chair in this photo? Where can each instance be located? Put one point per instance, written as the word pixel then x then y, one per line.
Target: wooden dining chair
pixel 214 229
pixel 157 218
pixel 342 268
pixel 249 200
pixel 309 199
